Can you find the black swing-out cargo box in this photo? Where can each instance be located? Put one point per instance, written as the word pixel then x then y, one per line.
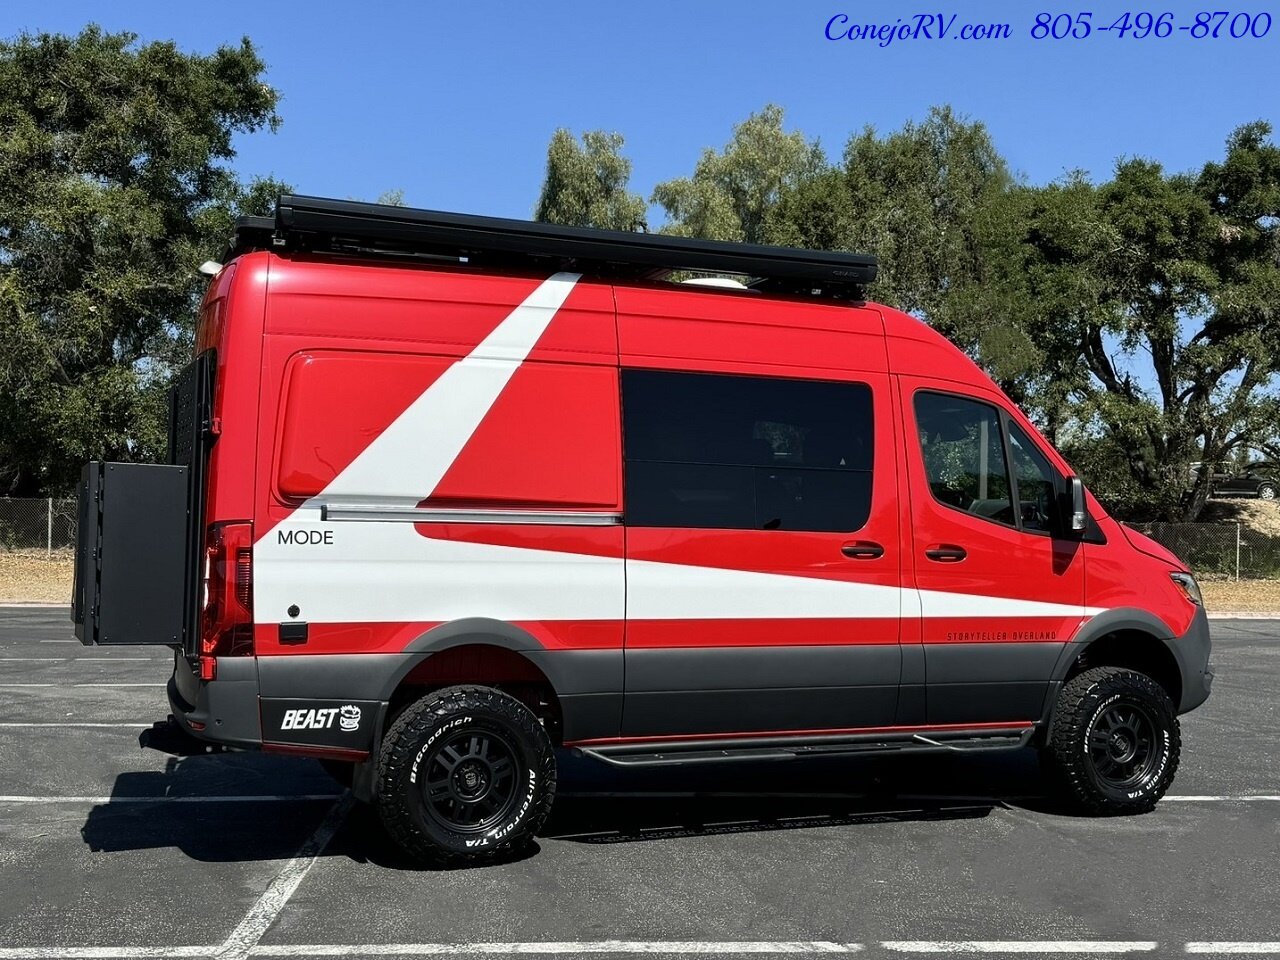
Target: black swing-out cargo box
pixel 138 539
pixel 131 553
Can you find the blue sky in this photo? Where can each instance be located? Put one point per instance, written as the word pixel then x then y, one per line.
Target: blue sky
pixel 454 103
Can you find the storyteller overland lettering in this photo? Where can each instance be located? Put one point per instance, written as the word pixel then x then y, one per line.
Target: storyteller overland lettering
pixel 999 636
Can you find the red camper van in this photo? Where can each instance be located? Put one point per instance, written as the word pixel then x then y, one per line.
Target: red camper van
pixel 447 492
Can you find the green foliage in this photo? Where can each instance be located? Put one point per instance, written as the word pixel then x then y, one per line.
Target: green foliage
pixel 1136 319
pixel 1148 304
pixel 586 185
pixel 389 198
pixel 113 188
pixel 731 192
pixel 915 198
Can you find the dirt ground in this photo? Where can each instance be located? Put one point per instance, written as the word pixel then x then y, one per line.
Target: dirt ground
pixel 1241 596
pixel 1260 515
pixel 35 578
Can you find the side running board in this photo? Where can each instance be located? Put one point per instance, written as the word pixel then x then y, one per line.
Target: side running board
pixel 676 752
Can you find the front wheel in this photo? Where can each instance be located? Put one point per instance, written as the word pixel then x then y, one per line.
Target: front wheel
pixel 1267 491
pixel 1115 742
pixel 465 775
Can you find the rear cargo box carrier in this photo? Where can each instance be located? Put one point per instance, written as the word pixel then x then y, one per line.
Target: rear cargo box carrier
pixel 130 576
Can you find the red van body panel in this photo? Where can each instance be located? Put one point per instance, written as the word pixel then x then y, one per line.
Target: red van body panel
pixel 340 367
pixel 231 324
pixel 434 456
pixel 702 328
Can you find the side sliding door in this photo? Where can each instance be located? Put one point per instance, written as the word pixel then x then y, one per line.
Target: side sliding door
pixel 763 564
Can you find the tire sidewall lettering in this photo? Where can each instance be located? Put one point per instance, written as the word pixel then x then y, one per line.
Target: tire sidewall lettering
pixel 496 834
pixel 1154 780
pixel 439 732
pixel 1158 774
pixel 421 732
pixel 1093 720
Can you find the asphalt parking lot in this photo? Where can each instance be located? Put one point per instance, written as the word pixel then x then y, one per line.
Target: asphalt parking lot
pixel 108 849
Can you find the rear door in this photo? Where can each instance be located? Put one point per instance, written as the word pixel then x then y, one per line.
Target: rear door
pixel 763 567
pixel 999 592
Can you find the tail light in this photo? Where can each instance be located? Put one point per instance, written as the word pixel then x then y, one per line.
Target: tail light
pixel 226 622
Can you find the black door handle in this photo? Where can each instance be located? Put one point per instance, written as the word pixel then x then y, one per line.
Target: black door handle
pixel 862 550
pixel 946 553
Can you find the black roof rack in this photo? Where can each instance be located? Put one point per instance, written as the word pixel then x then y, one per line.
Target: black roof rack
pixel 347 226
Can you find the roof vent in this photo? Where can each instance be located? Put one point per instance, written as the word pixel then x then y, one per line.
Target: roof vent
pixel 727 282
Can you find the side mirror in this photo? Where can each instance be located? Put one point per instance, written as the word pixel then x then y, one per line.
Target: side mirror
pixel 1079 515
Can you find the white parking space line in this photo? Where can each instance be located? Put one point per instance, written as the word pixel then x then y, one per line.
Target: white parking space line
pixel 1020 946
pixel 23 686
pixel 101 953
pixel 82 660
pixel 15 798
pixel 1235 946
pixel 243 798
pixel 76 723
pixel 552 948
pixel 229 950
pixel 253 927
pixel 949 801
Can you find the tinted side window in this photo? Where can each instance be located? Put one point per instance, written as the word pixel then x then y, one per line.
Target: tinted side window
pixel 964 455
pixel 746 453
pixel 1037 483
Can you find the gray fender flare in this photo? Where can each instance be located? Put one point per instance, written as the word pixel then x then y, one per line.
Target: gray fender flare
pixel 470 631
pixel 375 676
pixel 1109 621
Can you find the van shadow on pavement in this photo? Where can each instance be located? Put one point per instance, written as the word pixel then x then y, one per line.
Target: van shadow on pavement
pixel 597 804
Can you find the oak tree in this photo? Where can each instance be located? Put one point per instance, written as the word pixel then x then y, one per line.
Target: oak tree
pixel 114 187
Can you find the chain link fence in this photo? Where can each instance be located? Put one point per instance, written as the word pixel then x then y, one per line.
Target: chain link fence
pixel 1219 549
pixel 47 524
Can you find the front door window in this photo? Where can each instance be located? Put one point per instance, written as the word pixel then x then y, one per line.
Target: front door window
pixel 964 456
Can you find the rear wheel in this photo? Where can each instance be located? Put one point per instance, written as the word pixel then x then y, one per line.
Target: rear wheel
pixel 1267 491
pixel 1114 743
pixel 465 775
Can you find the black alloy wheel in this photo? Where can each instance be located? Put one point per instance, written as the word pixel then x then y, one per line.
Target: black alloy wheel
pixel 469 781
pixel 1122 745
pixel 1114 742
pixel 466 775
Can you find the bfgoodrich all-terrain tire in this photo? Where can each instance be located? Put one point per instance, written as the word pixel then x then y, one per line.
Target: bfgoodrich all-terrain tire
pixel 1114 742
pixel 466 775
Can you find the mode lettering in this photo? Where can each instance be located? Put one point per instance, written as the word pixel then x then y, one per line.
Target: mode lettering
pixel 305 538
pixel 308 719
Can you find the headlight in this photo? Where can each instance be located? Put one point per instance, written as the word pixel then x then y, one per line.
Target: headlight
pixel 1189 586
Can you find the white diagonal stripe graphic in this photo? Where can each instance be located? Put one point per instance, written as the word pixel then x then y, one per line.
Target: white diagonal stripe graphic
pixel 408 459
